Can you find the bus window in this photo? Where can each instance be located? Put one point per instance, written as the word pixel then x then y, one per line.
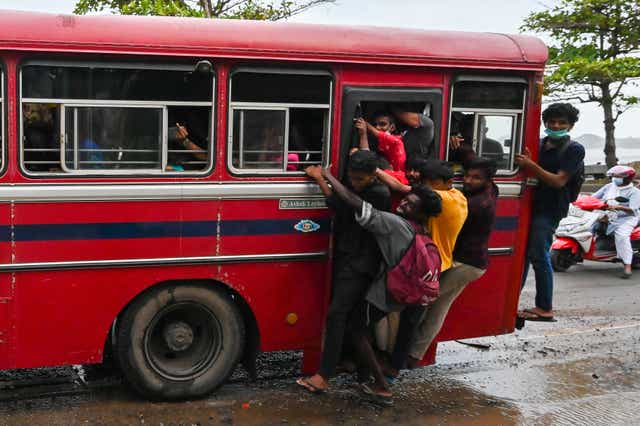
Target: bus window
pixel 486 119
pixel 279 121
pixel 115 118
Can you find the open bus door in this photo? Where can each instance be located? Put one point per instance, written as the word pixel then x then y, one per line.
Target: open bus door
pixel 492 114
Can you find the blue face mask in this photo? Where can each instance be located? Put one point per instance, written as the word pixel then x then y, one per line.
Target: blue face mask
pixel 618 181
pixel 556 134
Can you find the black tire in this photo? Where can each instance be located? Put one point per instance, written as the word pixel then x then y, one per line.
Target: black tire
pixel 561 260
pixel 179 342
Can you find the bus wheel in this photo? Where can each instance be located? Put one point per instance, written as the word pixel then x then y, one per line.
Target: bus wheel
pixel 561 260
pixel 180 342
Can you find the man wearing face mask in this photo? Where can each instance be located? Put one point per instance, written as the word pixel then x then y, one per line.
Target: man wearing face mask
pixel 627 212
pixel 559 163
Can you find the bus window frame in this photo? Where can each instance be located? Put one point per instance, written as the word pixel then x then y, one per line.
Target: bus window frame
pixel 518 128
pixel 133 65
pixel 274 106
pixel 353 95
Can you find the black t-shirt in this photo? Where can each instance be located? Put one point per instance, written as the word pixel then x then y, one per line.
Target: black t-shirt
pixel 418 141
pixel 352 242
pixel 550 201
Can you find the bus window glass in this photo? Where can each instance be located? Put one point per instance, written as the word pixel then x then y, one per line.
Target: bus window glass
pixel 100 138
pixel 279 122
pixel 259 139
pixel 488 95
pixel 495 134
pixel 115 119
pixel 280 88
pixel 98 82
pixel 486 120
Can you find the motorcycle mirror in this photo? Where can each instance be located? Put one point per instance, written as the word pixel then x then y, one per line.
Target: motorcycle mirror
pixel 622 199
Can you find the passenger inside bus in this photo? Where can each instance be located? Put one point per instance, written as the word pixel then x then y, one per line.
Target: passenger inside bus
pixel 41 147
pixel 389 145
pixel 407 121
pixel 417 130
pixel 183 150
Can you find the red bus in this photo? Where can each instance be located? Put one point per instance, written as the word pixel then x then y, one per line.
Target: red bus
pixel 182 257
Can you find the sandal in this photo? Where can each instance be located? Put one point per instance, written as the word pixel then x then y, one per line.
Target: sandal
pixel 529 315
pixel 372 396
pixel 305 383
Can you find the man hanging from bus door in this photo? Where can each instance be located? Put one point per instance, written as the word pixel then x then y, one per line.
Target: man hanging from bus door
pixel 470 257
pixel 394 234
pixel 444 230
pixel 558 172
pixel 356 257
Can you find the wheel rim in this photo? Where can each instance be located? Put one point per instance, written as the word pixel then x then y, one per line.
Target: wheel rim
pixel 182 341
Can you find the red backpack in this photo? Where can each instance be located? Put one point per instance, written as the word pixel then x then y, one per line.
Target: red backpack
pixel 415 280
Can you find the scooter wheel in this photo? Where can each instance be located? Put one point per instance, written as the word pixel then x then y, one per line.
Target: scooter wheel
pixel 561 260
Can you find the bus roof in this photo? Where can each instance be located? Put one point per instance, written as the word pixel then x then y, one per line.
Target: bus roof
pixel 29 31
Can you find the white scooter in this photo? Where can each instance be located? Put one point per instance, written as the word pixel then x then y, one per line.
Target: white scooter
pixel 576 239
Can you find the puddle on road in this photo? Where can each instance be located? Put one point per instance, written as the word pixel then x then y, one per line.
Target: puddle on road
pixel 439 401
pixel 594 391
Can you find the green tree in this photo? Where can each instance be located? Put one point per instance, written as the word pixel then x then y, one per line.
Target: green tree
pixel 228 9
pixel 593 56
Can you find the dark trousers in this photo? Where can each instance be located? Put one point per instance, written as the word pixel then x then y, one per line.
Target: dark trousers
pixel 410 318
pixel 348 290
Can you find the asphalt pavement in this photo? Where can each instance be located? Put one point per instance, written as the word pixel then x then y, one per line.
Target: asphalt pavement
pixel 583 369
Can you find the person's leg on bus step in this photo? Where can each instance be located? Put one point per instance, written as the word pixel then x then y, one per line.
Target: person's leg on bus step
pixel 410 319
pixel 361 324
pixel 348 290
pixel 452 283
pixel 540 239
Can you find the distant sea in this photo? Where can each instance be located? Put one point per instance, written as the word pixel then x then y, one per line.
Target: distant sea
pixel 625 155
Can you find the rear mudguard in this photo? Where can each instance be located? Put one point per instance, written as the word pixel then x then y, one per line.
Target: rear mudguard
pixel 563 243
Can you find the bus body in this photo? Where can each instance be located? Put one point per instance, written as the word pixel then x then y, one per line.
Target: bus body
pixel 107 216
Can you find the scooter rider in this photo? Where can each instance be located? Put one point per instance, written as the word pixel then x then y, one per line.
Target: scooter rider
pixel 627 212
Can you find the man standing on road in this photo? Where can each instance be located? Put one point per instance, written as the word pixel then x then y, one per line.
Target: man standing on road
pixel 558 173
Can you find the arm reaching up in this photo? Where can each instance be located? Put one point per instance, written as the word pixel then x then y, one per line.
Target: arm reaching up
pixel 341 191
pixel 361 125
pixel 315 172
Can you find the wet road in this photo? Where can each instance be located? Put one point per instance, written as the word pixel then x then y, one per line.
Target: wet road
pixel 583 369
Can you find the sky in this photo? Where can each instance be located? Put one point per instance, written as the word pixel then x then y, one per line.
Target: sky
pixel 503 16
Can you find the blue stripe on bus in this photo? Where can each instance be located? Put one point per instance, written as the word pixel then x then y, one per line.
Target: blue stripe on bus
pixel 114 231
pixel 228 228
